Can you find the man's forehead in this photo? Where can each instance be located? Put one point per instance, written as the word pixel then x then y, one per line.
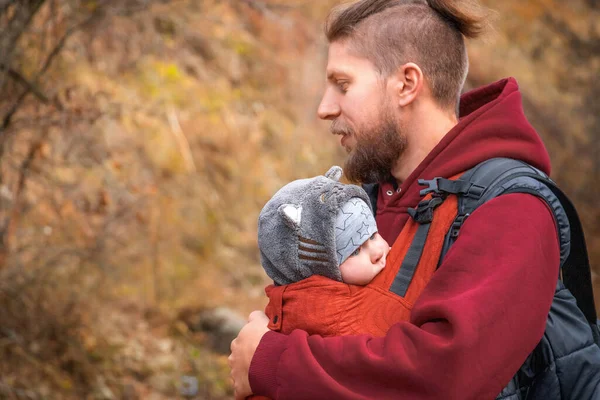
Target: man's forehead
pixel 339 57
pixel 342 61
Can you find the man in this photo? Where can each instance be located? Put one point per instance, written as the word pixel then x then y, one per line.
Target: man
pixel 395 73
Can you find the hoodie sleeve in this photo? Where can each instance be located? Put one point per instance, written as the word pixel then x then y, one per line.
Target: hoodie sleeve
pixel 472 328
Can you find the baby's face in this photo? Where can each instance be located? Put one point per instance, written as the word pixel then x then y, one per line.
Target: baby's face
pixel 366 262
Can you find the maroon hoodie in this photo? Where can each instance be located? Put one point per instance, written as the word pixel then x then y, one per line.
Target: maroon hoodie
pixel 483 311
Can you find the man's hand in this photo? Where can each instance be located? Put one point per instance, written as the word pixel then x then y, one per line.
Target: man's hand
pixel 242 351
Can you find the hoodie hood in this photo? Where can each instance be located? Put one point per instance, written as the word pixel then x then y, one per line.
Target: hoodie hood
pixel 491 124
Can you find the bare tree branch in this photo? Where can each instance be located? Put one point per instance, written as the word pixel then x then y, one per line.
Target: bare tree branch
pixel 55 51
pixel 182 143
pixel 16 27
pixel 9 223
pixel 17 76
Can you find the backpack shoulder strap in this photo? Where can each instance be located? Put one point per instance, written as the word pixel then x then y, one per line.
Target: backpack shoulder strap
pixel 576 271
pixel 499 176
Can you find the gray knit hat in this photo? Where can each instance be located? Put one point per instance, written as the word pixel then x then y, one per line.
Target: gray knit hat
pixel 310 226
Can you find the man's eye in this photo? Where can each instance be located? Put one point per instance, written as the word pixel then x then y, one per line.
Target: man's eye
pixel 343 86
pixel 355 252
pixel 373 236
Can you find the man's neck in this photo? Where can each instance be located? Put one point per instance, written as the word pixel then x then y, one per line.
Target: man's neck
pixel 424 136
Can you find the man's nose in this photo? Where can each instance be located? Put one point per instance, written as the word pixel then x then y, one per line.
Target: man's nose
pixel 328 109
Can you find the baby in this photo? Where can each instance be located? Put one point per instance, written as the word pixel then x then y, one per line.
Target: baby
pixel 319 243
pixel 317 237
pixel 319 226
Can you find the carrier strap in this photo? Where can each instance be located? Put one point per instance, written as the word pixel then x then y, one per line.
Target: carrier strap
pixel 411 260
pixel 423 215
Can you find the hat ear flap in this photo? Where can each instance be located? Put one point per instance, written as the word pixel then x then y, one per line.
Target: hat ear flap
pixel 334 173
pixel 291 214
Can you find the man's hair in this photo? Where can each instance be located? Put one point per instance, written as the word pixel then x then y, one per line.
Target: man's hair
pixel 429 33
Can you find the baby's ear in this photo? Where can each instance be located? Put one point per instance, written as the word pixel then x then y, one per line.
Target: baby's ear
pixel 291 214
pixel 334 173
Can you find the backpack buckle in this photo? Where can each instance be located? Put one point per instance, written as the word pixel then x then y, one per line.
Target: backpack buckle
pixel 423 214
pixel 446 186
pixel 475 191
pixel 457 224
pixel 433 186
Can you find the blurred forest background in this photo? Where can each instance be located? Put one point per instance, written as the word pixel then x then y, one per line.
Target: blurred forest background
pixel 139 140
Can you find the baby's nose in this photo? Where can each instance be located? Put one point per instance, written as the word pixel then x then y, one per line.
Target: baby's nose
pixel 376 254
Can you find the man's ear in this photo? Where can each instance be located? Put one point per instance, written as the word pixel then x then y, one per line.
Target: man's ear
pixel 407 83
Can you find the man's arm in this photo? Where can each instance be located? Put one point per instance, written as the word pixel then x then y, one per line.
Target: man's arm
pixel 472 328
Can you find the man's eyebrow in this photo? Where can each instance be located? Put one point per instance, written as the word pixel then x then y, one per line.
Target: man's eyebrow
pixel 331 74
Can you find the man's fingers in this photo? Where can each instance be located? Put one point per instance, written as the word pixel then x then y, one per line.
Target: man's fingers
pixel 242 351
pixel 254 315
pixel 258 315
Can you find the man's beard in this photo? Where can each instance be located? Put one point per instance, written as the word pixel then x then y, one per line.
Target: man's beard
pixel 375 153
